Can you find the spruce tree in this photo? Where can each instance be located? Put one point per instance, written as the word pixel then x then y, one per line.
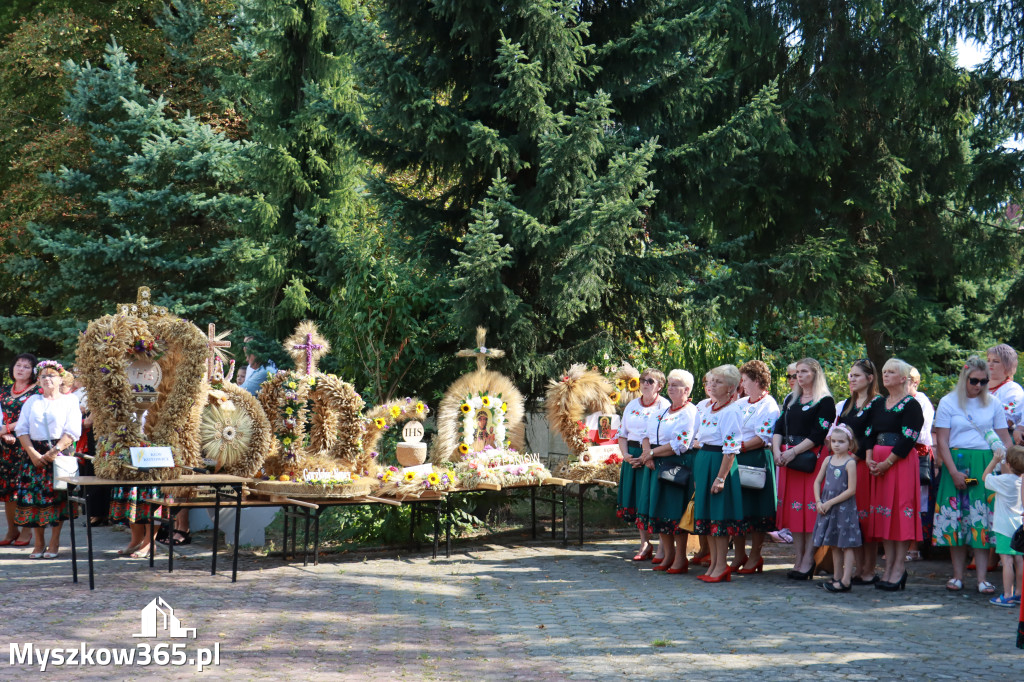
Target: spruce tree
pixel 504 160
pixel 159 205
pixel 293 78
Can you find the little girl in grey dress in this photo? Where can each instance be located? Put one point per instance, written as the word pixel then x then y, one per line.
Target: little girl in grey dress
pixel 838 525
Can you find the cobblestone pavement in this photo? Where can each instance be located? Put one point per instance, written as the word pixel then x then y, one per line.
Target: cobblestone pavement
pixel 534 611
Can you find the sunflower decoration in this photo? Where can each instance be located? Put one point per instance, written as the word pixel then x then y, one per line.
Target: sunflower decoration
pixel 627 383
pixel 396 411
pixel 620 384
pixel 433 478
pixel 409 476
pixel 420 409
pixel 465 408
pixel 463 449
pixel 633 385
pixel 380 423
pixel 614 397
pixel 485 401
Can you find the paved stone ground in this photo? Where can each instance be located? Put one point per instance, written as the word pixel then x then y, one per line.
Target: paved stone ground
pixel 535 611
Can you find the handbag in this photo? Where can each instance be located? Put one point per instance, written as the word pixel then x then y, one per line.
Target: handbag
pixel 804 462
pixel 926 470
pixel 807 460
pixel 686 523
pixel 1017 541
pixel 751 477
pixel 676 474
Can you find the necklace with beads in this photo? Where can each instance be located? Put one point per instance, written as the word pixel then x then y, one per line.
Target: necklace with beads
pixel 676 409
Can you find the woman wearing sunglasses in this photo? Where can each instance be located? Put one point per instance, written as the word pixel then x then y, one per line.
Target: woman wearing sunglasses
pixel 634 476
pixel 969 425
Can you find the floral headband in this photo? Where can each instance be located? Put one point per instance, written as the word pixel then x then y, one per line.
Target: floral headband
pixel 53 364
pixel 844 428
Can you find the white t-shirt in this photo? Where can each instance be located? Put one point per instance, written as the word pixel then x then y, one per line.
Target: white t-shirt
pixel 636 416
pixel 43 419
pixel 1011 395
pixel 1006 516
pixel 961 424
pixel 758 419
pixel 721 427
pixel 929 417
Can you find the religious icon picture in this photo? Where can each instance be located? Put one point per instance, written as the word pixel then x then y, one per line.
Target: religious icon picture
pixel 602 427
pixel 483 431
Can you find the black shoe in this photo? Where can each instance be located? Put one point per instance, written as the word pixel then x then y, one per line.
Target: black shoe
pixel 831 586
pixel 794 574
pixel 893 587
pixel 857 580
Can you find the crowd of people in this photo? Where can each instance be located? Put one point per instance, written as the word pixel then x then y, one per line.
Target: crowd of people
pixel 873 469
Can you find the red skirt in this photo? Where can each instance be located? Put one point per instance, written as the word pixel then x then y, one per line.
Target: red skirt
pixel 863 496
pixel 796 498
pixel 894 512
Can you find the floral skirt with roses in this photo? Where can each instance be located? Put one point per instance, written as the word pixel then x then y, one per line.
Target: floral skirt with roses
pixel 964 517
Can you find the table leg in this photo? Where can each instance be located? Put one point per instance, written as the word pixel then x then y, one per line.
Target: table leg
pixel 88 540
pixel 316 538
pixel 582 490
pixel 286 510
pixel 565 521
pixel 533 513
pixel 216 530
pixel 448 527
pixel 152 542
pixel 170 542
pixel 71 512
pixel 305 541
pixel 554 518
pixel 238 529
pixel 437 525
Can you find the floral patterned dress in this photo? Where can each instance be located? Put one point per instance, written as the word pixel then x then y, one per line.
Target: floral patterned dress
pixel 11 455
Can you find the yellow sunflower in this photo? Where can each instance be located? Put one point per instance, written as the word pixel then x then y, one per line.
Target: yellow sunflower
pixel 433 478
pixel 634 384
pixel 420 408
pixel 409 477
pixel 614 396
pixel 486 401
pixel 387 477
pixel 465 408
pixel 396 411
pixel 463 448
pixel 504 407
pixel 379 422
pixel 620 384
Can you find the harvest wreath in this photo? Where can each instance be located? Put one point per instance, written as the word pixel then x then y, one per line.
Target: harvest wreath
pixel 105 352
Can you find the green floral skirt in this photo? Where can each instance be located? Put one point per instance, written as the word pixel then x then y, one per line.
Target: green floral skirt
pixel 964 517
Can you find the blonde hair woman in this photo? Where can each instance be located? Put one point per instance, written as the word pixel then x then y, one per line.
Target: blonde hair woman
pixel 969 426
pixel 894 517
pixel 802 427
pixel 670 435
pixel 634 475
pixel 717 497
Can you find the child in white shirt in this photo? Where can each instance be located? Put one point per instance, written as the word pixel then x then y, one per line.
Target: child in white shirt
pixel 1006 519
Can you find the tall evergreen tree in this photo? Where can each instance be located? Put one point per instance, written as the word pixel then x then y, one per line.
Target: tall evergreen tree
pixel 869 212
pixel 159 205
pixel 507 164
pixel 295 77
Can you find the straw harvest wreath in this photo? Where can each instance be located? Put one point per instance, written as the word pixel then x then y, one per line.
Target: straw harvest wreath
pixel 108 346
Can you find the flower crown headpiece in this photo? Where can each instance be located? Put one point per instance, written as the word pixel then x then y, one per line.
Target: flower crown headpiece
pixel 50 363
pixel 844 428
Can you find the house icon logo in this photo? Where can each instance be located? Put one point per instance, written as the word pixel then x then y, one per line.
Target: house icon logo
pixel 159 615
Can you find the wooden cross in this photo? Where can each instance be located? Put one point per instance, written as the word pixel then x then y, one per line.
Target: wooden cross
pixel 481 352
pixel 214 343
pixel 142 306
pixel 306 347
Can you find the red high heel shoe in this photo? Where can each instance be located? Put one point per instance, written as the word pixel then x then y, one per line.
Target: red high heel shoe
pixel 703 560
pixel 676 571
pixel 736 563
pixel 642 556
pixel 725 577
pixel 756 568
pixel 657 559
pixel 660 567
